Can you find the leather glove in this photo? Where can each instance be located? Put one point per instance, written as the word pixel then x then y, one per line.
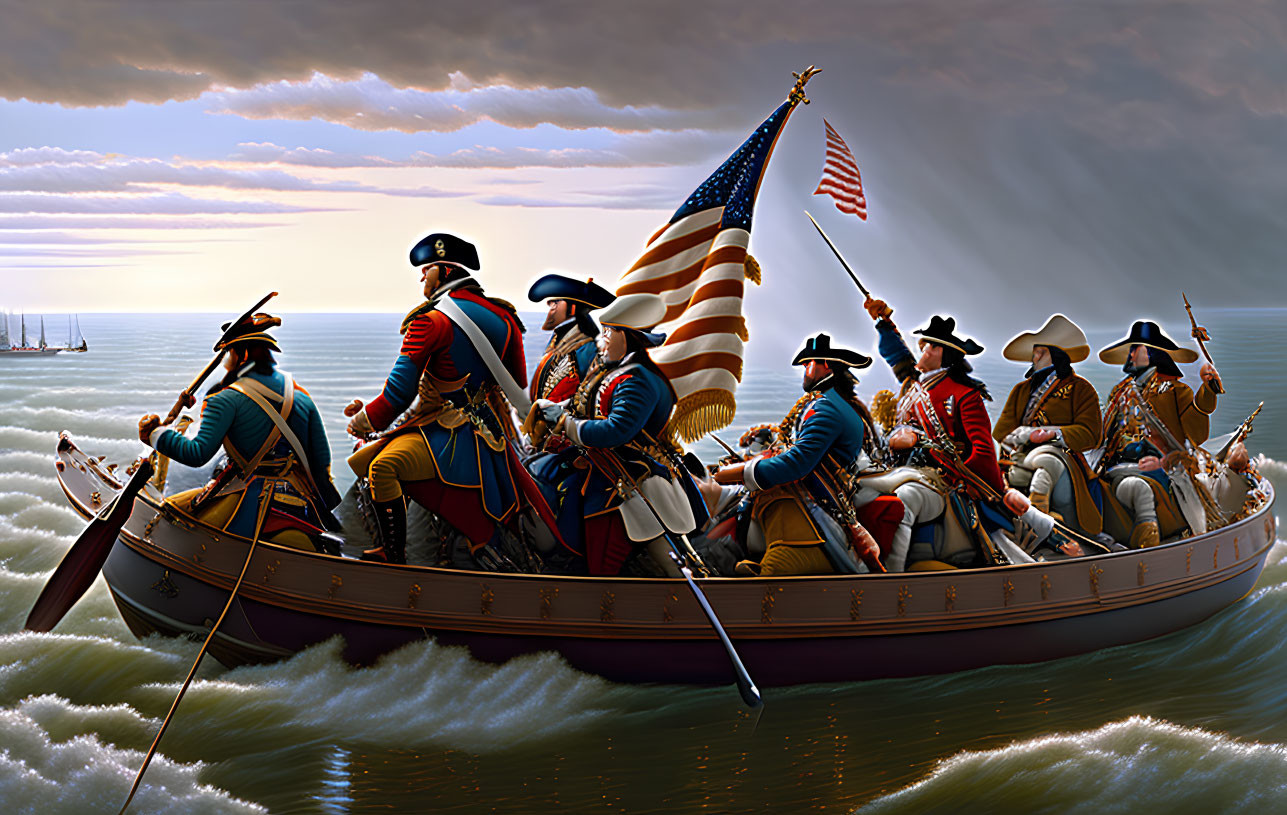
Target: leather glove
pixel 147 425
pixel 878 309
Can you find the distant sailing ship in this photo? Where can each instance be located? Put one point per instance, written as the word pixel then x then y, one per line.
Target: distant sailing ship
pixel 23 347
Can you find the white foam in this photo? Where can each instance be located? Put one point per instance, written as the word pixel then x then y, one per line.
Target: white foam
pixel 1136 765
pixel 81 774
pixel 422 695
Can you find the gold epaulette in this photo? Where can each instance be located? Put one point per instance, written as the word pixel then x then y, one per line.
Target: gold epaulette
pixel 423 308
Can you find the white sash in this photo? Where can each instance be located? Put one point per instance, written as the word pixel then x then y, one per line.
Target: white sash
pixel 516 395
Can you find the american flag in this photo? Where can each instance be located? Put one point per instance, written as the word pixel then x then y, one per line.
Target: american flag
pixel 697 263
pixel 840 177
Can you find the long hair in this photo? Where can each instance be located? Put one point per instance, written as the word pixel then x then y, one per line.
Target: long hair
pixel 1156 359
pixel 958 369
pixel 1063 363
pixel 636 342
pixel 259 356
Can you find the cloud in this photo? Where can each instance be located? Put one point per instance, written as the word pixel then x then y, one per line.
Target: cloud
pixel 61 171
pixel 39 221
pixel 371 103
pixel 628 197
pixel 659 148
pixel 164 204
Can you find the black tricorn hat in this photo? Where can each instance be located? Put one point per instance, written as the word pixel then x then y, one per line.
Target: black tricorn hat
pixel 252 329
pixel 1149 333
pixel 942 331
pixel 558 287
pixel 441 247
pixel 819 348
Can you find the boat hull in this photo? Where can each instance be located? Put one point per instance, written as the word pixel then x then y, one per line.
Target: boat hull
pixel 170 574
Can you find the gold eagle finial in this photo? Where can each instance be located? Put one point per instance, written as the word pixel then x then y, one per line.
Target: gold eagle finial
pixel 801 79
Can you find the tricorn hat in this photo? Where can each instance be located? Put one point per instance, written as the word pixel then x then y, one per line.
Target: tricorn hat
pixel 819 348
pixel 1058 332
pixel 942 331
pixel 639 312
pixel 252 329
pixel 441 247
pixel 558 287
pixel 1147 333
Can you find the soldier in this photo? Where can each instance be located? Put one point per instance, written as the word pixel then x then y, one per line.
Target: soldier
pixel 617 422
pixel 453 437
pixel 1145 510
pixel 571 348
pixel 272 435
pixel 803 497
pixel 941 403
pixel 1050 419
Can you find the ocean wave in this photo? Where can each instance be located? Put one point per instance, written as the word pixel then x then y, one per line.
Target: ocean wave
pixel 422 695
pixel 1137 765
pixel 42 775
pixel 15 438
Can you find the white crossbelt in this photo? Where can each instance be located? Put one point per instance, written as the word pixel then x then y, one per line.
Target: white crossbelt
pixel 516 395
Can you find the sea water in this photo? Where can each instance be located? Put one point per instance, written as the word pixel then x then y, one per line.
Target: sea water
pixel 1192 722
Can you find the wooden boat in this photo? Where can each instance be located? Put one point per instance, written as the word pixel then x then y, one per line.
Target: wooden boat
pixel 169 573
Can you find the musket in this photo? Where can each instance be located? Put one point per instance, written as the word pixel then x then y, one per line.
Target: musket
pixel 1243 431
pixel 1203 337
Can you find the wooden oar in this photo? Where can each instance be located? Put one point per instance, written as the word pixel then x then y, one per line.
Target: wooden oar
pixel 85 559
pixel 265 500
pixel 82 563
pixel 608 462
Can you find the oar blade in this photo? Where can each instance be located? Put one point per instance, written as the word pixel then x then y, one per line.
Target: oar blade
pixel 82 563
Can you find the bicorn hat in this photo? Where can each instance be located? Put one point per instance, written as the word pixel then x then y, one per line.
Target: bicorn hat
pixel 942 331
pixel 441 247
pixel 819 348
pixel 558 287
pixel 1058 332
pixel 1148 333
pixel 252 329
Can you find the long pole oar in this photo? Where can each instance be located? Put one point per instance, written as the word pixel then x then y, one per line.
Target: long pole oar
pixel 607 461
pixel 82 563
pixel 265 500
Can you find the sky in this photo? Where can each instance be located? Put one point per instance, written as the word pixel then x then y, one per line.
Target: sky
pixel 1019 158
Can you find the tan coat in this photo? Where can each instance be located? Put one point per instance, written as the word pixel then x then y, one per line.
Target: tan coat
pixel 1071 404
pixel 1186 414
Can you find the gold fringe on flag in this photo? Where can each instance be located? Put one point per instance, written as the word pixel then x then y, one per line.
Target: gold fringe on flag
pixel 702 412
pixel 751 266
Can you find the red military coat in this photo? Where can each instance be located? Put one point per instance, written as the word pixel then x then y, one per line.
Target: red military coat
pixel 959 411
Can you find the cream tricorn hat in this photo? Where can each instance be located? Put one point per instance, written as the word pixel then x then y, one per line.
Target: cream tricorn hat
pixel 1058 332
pixel 638 311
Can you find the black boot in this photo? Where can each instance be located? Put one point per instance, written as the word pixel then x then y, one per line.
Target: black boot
pixel 390 532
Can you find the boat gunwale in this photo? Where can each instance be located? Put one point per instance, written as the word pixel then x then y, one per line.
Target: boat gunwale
pixel 485 623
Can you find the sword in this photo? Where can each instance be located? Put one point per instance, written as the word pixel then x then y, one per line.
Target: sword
pixel 839 257
pixel 725 445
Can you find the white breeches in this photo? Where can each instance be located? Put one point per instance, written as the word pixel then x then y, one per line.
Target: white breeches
pixel 920 504
pixel 1136 496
